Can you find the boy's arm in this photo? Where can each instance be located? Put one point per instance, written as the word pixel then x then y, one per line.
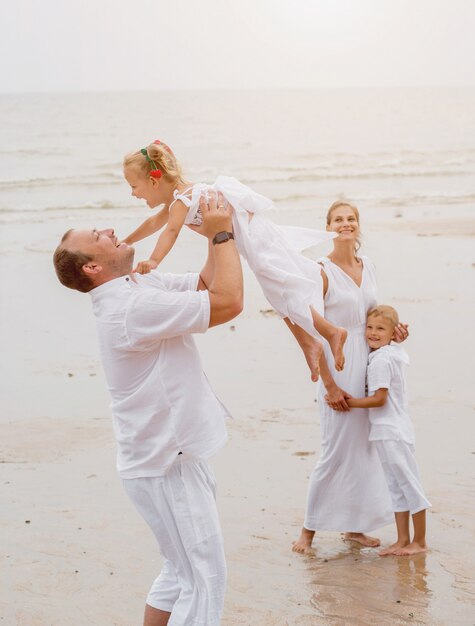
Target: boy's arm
pixel 378 399
pixel 150 226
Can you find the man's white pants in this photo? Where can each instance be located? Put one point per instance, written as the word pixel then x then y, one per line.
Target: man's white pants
pixel 402 476
pixel 180 508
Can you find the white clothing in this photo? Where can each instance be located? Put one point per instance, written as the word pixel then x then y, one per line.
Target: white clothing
pixel 288 279
pixel 162 403
pixel 386 371
pixel 347 489
pixel 402 475
pixel 180 508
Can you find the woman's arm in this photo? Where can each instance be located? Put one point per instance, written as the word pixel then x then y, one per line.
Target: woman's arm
pixel 378 399
pixel 149 227
pixel 335 397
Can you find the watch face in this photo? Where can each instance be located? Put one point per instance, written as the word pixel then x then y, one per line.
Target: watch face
pixel 220 237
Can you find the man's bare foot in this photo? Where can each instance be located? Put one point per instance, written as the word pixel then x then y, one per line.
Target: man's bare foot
pixel 364 540
pixel 304 542
pixel 413 548
pixel 394 547
pixel 337 341
pixel 313 350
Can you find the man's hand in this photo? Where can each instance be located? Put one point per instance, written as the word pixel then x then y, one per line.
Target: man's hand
pixel 217 216
pixel 144 267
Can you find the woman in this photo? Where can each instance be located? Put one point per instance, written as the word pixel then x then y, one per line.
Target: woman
pixel 347 490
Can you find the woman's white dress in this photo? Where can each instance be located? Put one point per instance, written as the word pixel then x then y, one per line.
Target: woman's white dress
pixel 288 279
pixel 347 489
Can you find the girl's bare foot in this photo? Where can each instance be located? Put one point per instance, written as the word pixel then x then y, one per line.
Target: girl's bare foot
pixel 337 341
pixel 364 540
pixel 304 542
pixel 392 549
pixel 313 350
pixel 413 548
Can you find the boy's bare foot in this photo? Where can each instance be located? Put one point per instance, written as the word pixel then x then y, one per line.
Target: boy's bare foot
pixel 313 350
pixel 394 548
pixel 364 540
pixel 413 548
pixel 337 341
pixel 304 542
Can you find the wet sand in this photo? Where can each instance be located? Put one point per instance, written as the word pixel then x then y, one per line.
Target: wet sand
pixel 73 550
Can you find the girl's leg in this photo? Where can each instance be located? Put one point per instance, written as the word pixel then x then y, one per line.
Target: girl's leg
pixel 403 539
pixel 418 544
pixel 311 348
pixel 335 335
pixel 304 542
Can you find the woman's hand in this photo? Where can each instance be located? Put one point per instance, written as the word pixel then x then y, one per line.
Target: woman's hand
pixel 401 333
pixel 336 399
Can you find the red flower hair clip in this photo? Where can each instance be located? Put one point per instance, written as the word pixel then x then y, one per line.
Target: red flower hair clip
pixel 156 173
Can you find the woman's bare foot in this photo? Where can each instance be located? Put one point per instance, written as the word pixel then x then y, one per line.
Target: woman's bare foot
pixel 364 540
pixel 313 350
pixel 413 548
pixel 304 542
pixel 337 341
pixel 392 549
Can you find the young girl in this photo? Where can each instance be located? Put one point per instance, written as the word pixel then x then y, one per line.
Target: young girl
pixel 291 282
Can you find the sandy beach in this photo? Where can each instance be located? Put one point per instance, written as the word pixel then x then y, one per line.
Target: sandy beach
pixel 73 550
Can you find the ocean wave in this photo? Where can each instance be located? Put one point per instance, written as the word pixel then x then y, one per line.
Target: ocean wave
pixel 280 203
pixel 352 174
pixel 104 205
pixel 105 178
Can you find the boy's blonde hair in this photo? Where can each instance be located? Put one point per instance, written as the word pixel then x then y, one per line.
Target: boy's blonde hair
pixel 385 311
pixel 158 157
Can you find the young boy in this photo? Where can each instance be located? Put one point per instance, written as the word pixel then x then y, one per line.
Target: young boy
pixel 392 431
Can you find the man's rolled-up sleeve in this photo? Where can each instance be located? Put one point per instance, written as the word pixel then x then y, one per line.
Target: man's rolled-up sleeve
pixel 159 314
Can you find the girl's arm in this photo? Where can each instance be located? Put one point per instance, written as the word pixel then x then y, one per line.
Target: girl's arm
pixel 166 241
pixel 378 399
pixel 150 226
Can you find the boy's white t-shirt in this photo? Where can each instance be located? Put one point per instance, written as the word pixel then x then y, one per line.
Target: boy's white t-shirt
pixel 162 402
pixel 386 371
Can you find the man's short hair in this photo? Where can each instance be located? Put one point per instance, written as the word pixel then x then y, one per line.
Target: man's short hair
pixel 68 266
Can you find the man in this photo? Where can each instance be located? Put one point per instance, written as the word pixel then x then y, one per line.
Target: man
pixel 166 418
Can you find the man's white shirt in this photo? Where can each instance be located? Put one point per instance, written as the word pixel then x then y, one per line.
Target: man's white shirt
pixel 162 403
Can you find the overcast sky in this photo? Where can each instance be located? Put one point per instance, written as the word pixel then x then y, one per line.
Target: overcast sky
pixel 89 45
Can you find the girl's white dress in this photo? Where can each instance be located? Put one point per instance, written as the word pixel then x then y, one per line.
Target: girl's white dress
pixel 288 279
pixel 347 489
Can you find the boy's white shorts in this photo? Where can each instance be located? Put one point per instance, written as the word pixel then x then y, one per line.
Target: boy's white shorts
pixel 402 475
pixel 180 508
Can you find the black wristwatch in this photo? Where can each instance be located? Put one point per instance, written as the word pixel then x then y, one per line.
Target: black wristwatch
pixel 222 237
